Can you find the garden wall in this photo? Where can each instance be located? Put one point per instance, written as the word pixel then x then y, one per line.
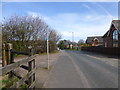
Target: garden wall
pixel 104 50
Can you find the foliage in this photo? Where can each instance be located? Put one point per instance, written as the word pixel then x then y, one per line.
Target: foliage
pixel 8 82
pixel 61 44
pixel 80 42
pixel 23 31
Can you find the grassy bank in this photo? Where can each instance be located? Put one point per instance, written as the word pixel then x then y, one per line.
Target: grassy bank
pixel 49 53
pixel 8 82
pixel 23 56
pixel 75 49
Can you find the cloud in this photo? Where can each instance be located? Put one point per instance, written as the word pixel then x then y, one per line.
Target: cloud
pixel 33 14
pixel 82 25
pixel 89 8
pixel 102 8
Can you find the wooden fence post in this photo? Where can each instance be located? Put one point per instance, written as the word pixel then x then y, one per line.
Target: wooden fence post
pixel 8 53
pixel 3 55
pixel 31 81
pixel 8 48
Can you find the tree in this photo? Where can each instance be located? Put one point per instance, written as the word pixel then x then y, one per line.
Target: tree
pixel 54 37
pixel 80 42
pixel 23 31
pixel 61 44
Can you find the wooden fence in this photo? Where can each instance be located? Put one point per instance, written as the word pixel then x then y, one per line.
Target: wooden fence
pixel 9 67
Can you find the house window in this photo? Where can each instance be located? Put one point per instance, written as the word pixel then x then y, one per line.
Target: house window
pixel 96 42
pixel 115 38
pixel 105 44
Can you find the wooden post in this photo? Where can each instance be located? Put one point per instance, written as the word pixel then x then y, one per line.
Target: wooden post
pixel 3 55
pixel 8 47
pixel 30 69
pixel 31 81
pixel 34 73
pixel 12 56
pixel 8 53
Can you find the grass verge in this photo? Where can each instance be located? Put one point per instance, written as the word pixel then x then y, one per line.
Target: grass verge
pixel 49 53
pixel 8 82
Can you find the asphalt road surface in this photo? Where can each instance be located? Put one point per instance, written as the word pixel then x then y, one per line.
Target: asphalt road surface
pixel 77 69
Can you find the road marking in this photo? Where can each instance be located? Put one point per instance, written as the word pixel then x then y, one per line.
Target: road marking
pixel 50 73
pixel 80 73
pixel 100 58
pixel 112 62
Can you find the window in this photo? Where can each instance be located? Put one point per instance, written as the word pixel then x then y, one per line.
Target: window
pixel 105 44
pixel 115 38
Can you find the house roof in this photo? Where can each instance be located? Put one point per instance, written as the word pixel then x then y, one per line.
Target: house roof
pixel 90 40
pixel 116 24
pixel 105 35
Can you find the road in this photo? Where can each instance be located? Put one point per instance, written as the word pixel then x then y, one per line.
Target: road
pixel 77 69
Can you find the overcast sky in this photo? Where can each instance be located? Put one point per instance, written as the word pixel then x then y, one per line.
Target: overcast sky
pixel 83 18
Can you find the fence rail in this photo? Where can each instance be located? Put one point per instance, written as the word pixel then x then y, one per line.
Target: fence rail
pixel 9 66
pixel 13 66
pixel 30 75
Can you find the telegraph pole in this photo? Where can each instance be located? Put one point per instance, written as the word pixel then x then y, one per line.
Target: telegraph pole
pixel 72 39
pixel 72 36
pixel 47 50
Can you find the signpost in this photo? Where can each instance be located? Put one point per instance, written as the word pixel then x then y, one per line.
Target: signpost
pixel 47 51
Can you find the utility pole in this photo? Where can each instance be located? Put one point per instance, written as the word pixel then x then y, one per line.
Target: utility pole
pixel 72 36
pixel 47 50
pixel 72 39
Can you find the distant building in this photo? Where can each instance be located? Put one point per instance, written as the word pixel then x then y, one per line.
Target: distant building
pixel 112 37
pixel 94 41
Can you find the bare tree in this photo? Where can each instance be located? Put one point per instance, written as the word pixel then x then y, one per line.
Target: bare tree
pixel 80 42
pixel 23 31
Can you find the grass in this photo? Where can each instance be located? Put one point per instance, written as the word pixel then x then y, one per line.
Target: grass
pixel 43 53
pixel 75 49
pixel 54 52
pixel 50 53
pixel 19 56
pixel 8 82
pixel 24 86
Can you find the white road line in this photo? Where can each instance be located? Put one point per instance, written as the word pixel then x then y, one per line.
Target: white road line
pixel 99 58
pixel 80 73
pixel 112 62
pixel 46 81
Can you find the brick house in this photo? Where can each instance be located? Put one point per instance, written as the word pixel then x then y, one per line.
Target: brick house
pixel 112 37
pixel 94 41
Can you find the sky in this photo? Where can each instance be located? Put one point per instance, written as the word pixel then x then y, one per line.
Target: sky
pixel 83 18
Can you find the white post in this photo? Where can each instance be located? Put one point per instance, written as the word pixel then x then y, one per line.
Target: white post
pixel 47 51
pixel 72 36
pixel 72 39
